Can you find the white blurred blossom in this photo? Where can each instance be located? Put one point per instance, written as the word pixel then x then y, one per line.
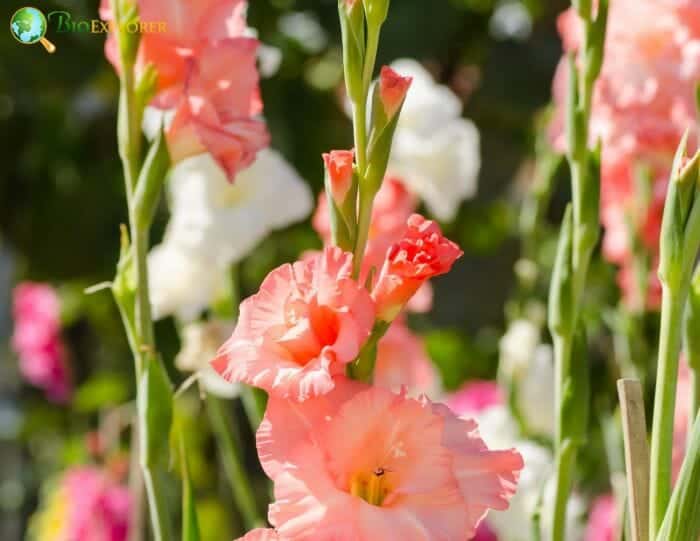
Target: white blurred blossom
pixel 215 224
pixel 528 364
pixel 511 20
pixel 499 430
pixel 200 342
pixel 536 392
pixel 435 151
pixel 181 283
pixel 517 347
pixel 305 29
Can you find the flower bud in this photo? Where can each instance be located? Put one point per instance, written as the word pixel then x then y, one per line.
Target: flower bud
pixel 392 91
pixel 339 174
pixel 377 11
pixel 421 254
pixel 561 309
pixel 680 228
pixel 352 27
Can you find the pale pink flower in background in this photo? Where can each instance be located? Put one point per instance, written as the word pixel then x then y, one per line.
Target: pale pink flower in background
pixel 43 359
pixel 207 78
pixel 602 522
pixel 421 254
pixel 305 324
pixel 402 362
pixel 643 102
pixel 86 505
pixel 260 534
pixel 362 463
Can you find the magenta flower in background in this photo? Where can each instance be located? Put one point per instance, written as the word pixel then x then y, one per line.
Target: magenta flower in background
pixel 88 504
pixel 37 340
pixel 602 524
pixel 474 397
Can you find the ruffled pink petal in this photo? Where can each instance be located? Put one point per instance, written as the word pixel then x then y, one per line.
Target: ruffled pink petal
pixel 260 534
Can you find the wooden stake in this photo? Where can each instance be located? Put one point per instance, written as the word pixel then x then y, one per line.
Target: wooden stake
pixel 634 428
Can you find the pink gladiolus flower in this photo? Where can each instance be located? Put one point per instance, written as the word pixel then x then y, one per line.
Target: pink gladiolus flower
pixel 88 505
pixel 260 534
pixel 37 340
pixel 602 523
pixel 362 463
pixel 643 102
pixel 421 254
pixel 403 363
pixel 475 397
pixel 207 76
pixel 392 90
pixel 339 170
pixel 305 324
pixel 393 205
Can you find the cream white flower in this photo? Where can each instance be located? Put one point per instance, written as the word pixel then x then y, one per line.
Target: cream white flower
pixel 181 283
pixel 200 342
pixel 499 430
pixel 225 221
pixel 215 224
pixel 536 392
pixel 517 347
pixel 435 150
pixel 529 365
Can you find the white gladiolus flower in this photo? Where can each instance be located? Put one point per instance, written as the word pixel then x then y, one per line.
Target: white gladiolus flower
pixel 499 430
pixel 517 348
pixel 181 283
pixel 536 392
pixel 200 342
pixel 435 151
pixel 215 224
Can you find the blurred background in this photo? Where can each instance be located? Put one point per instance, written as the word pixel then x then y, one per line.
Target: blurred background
pixel 61 199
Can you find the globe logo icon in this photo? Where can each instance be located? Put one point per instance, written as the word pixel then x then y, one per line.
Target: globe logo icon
pixel 28 26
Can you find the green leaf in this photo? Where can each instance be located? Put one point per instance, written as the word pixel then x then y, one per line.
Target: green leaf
pixel 682 520
pixel 150 182
pixel 155 399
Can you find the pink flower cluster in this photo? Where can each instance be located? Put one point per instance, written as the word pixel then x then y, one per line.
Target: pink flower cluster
pixel 37 340
pixel 351 461
pixel 643 102
pixel 95 507
pixel 207 77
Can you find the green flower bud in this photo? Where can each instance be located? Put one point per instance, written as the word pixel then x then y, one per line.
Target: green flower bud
pixel 377 11
pixel 561 293
pixel 692 324
pixel 680 228
pixel 150 182
pixel 352 27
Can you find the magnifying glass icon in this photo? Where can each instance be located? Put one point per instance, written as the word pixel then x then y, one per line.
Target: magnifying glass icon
pixel 28 26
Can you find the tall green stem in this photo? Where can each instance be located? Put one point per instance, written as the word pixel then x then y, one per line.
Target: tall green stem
pixel 566 457
pixel 673 304
pixel 243 493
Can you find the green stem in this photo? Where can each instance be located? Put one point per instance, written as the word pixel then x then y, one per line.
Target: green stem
pixel 566 458
pixel 664 406
pixel 694 400
pixel 243 493
pixel 160 517
pixel 363 224
pixel 563 347
pixel 370 57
